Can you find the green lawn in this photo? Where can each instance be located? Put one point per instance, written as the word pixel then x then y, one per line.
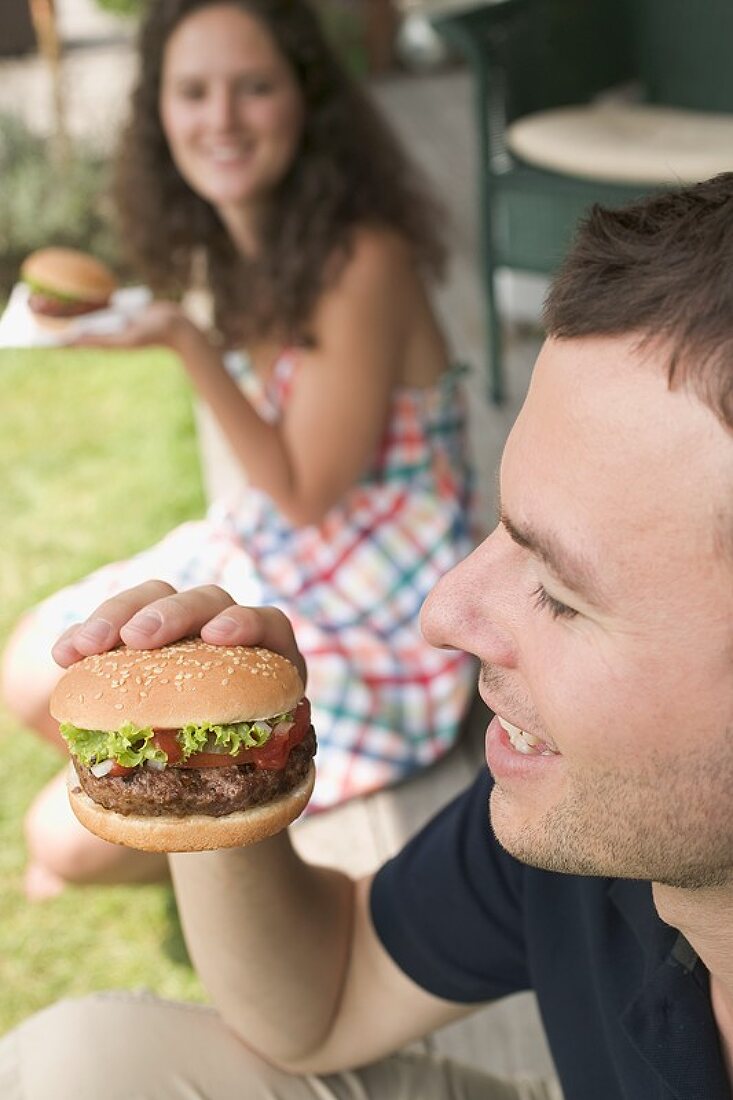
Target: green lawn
pixel 97 459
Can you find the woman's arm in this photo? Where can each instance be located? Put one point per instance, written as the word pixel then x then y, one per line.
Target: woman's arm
pixel 340 405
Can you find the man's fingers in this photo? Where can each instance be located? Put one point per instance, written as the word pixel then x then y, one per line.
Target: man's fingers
pixel 264 626
pixel 63 651
pixel 102 630
pixel 174 616
pixel 153 614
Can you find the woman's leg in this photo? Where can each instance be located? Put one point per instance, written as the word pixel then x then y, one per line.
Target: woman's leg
pixel 120 1046
pixel 60 850
pixel 29 674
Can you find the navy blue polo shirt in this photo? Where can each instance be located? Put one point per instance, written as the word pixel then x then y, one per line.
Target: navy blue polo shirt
pixel 624 999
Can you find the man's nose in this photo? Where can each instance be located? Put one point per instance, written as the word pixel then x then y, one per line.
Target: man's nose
pixel 469 607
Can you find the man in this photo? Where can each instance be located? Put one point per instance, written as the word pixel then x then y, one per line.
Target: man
pixel 601 609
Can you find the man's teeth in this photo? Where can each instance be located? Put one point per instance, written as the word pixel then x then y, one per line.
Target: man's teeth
pixel 525 742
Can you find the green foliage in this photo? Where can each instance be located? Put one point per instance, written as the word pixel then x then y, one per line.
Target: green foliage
pixel 122 7
pixel 98 459
pixel 342 22
pixel 343 25
pixel 40 205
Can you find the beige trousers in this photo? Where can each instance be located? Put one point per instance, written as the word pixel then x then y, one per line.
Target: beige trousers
pixel 121 1046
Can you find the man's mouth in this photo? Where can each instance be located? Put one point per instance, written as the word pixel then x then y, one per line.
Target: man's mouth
pixel 527 743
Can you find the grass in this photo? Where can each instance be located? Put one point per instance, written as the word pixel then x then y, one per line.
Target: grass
pixel 98 459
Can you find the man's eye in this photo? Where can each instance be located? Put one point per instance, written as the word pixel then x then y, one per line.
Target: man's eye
pixel 558 610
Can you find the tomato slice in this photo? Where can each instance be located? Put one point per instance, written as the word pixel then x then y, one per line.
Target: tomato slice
pixel 167 740
pixel 273 754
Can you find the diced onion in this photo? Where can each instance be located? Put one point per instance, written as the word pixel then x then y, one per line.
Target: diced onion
pixel 104 767
pixel 212 746
pixel 156 765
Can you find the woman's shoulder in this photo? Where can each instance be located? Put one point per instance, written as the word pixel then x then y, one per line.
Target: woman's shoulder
pixel 378 302
pixel 379 250
pixel 378 265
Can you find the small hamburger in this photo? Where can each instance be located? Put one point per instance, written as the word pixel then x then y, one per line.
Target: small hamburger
pixel 188 747
pixel 65 284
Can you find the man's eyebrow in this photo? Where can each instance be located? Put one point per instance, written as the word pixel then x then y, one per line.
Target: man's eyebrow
pixel 572 570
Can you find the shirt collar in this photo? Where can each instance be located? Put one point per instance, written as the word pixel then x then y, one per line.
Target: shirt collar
pixel 670 1019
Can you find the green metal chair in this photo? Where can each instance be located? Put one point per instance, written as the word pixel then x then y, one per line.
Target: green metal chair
pixel 530 56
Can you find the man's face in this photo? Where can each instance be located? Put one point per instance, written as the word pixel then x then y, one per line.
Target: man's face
pixel 601 608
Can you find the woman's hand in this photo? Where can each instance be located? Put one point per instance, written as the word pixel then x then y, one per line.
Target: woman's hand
pixel 159 324
pixel 153 614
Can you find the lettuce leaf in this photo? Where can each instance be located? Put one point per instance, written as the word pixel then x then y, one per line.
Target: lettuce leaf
pixel 131 745
pixel 215 737
pixel 39 288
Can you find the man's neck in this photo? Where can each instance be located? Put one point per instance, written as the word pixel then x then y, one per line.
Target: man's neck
pixel 705 918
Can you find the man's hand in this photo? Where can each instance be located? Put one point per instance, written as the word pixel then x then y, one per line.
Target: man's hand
pixel 153 614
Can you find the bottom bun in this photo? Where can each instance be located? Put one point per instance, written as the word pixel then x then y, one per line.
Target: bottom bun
pixel 196 832
pixel 49 323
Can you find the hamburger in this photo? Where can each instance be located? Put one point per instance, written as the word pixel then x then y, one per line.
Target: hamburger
pixel 188 747
pixel 65 284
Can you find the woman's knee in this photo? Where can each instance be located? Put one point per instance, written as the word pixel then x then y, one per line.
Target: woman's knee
pixel 28 674
pixel 59 846
pixel 53 836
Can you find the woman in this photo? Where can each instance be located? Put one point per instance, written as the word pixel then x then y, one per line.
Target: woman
pixel 253 165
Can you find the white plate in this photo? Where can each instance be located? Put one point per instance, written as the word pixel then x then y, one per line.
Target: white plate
pixel 18 328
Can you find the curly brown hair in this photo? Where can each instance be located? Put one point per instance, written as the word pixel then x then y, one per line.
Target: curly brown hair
pixel 350 172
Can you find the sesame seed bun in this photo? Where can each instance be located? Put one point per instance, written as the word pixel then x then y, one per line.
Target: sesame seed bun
pixel 195 833
pixel 71 273
pixel 190 681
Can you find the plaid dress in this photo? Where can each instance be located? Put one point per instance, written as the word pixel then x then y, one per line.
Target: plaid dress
pixel 385 703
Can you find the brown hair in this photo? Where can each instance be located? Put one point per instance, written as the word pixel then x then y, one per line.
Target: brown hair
pixel 349 172
pixel 663 267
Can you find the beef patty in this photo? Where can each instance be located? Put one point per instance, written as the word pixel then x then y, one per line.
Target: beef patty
pixel 179 792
